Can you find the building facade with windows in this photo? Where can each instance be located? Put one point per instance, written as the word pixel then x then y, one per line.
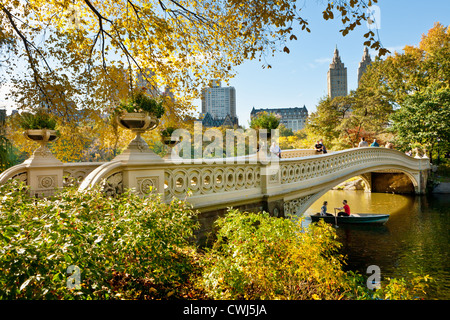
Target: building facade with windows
pixel 219 104
pixel 365 62
pixel 337 77
pixel 292 118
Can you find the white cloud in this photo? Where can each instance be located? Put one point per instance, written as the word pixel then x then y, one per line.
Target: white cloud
pixel 318 62
pixel 322 60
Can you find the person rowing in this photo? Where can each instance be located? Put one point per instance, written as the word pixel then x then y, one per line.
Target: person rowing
pixel 346 208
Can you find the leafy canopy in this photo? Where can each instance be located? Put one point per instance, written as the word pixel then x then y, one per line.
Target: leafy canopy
pixel 72 46
pixel 265 120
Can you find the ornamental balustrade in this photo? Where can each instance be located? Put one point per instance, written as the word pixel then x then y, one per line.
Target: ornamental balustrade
pixel 295 181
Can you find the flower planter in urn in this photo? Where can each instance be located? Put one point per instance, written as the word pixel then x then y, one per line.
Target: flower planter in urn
pixel 40 127
pixel 139 113
pixel 137 121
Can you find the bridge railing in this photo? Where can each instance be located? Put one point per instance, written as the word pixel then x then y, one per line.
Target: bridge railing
pixel 213 184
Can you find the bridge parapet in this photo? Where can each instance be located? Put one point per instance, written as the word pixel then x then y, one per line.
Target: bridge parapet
pixel 212 184
pixel 304 180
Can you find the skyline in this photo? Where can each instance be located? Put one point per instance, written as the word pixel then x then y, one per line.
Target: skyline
pixel 300 77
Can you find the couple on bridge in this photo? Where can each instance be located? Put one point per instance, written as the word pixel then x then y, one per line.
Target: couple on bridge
pixel 345 207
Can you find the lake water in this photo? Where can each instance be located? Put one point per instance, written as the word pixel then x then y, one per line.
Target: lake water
pixel 415 239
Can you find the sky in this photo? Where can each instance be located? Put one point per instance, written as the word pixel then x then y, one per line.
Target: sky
pixel 299 78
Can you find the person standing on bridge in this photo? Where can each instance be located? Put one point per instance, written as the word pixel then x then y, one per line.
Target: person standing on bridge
pixel 346 208
pixel 275 149
pixel 374 143
pixel 363 143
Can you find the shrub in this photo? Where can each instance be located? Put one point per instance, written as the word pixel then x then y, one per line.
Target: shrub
pixel 38 120
pixel 139 101
pixel 265 120
pixel 128 247
pixel 140 248
pixel 260 257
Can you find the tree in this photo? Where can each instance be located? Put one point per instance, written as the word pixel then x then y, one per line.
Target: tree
pixel 87 55
pixel 423 118
pixel 415 83
pixel 386 86
pixel 328 120
pixel 178 44
pixel 415 69
pixel 344 120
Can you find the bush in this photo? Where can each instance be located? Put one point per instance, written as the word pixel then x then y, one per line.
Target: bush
pixel 261 257
pixel 265 120
pixel 141 248
pixel 127 247
pixel 38 120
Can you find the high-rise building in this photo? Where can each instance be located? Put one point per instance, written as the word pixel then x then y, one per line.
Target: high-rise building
pixel 291 118
pixel 337 77
pixel 365 62
pixel 219 101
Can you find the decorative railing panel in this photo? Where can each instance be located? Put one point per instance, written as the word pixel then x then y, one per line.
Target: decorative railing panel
pixel 209 179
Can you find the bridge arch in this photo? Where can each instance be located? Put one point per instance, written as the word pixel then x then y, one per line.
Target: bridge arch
pixel 297 204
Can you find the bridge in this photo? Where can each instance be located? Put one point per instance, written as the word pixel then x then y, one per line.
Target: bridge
pixel 279 186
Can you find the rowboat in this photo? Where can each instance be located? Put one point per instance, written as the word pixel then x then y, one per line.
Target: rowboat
pixel 353 218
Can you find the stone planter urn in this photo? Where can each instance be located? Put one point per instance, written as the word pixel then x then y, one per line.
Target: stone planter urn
pixel 171 143
pixel 43 136
pixel 138 122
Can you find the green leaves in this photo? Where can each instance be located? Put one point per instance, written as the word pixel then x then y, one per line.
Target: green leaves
pixel 141 102
pixel 143 237
pixel 423 118
pixel 261 257
pixel 38 120
pixel 265 120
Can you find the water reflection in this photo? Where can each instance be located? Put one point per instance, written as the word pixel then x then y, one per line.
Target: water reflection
pixel 415 239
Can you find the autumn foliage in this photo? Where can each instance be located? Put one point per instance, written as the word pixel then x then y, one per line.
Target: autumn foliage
pixel 130 247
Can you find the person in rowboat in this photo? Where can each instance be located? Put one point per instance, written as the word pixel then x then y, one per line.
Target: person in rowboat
pixel 323 210
pixel 346 208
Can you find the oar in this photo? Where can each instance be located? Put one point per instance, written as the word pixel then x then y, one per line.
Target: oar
pixel 335 218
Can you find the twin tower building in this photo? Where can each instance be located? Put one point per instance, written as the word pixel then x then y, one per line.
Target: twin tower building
pixel 337 74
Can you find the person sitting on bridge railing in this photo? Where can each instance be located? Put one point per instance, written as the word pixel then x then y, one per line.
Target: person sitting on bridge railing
pixel 318 146
pixel 346 208
pixel 324 150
